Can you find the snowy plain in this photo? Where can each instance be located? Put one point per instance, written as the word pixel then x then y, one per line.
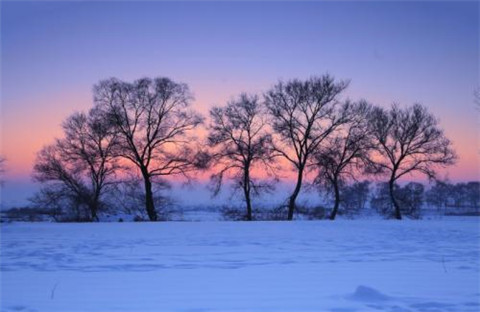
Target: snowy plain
pixel 341 266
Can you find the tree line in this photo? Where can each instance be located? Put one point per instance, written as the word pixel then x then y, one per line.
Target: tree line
pixel 139 134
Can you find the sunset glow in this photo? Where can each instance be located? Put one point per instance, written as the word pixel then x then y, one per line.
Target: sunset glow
pixel 405 52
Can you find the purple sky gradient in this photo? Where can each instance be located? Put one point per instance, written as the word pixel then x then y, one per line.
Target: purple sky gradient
pixel 53 52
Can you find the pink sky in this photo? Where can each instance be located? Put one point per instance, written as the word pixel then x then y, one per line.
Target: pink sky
pixel 53 52
pixel 41 123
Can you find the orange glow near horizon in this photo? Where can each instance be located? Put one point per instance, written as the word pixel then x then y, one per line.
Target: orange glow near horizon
pixel 24 133
pixel 53 53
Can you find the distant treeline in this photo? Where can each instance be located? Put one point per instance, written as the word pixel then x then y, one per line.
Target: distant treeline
pixel 120 154
pixel 359 199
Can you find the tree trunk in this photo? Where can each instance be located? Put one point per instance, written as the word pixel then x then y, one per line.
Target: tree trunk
pixel 149 204
pixel 249 205
pixel 391 185
pixel 337 200
pixel 94 207
pixel 93 211
pixel 246 190
pixel 296 191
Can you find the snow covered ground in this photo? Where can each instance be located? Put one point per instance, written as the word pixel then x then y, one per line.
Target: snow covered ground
pixel 341 266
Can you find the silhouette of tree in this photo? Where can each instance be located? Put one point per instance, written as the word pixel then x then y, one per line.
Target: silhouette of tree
pixel 466 195
pixel 153 121
pixel 240 143
pixel 355 197
pixel 346 151
pixel 411 198
pixel 473 194
pixel 302 115
pixel 440 194
pixel 408 140
pixel 81 166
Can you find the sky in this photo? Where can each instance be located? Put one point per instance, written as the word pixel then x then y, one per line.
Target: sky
pixel 52 53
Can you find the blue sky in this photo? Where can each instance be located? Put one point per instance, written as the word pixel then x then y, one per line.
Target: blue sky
pixel 405 52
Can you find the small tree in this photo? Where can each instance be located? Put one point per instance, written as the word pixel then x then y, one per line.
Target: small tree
pixel 408 140
pixel 466 195
pixel 439 195
pixel 355 197
pixel 56 199
pixel 80 167
pixel 380 200
pixel 458 195
pixel 152 119
pixel 240 144
pixel 411 198
pixel 346 151
pixel 473 194
pixel 303 114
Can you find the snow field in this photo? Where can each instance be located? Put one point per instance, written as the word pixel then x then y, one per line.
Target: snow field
pixel 340 266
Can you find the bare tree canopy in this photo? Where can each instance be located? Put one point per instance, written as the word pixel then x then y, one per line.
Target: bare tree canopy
pixel 303 114
pixel 146 129
pixel 408 140
pixel 153 120
pixel 346 152
pixel 240 143
pixel 81 165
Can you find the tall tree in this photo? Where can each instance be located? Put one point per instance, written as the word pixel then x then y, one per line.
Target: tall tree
pixel 153 120
pixel 408 140
pixel 80 166
pixel 240 143
pixel 346 152
pixel 303 114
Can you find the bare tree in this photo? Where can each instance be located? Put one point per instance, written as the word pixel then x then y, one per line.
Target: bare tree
pixel 411 196
pixel 81 166
pixel 240 144
pixel 303 114
pixel 439 195
pixel 355 197
pixel 62 183
pixel 473 194
pixel 465 195
pixel 408 140
pixel 152 119
pixel 346 152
